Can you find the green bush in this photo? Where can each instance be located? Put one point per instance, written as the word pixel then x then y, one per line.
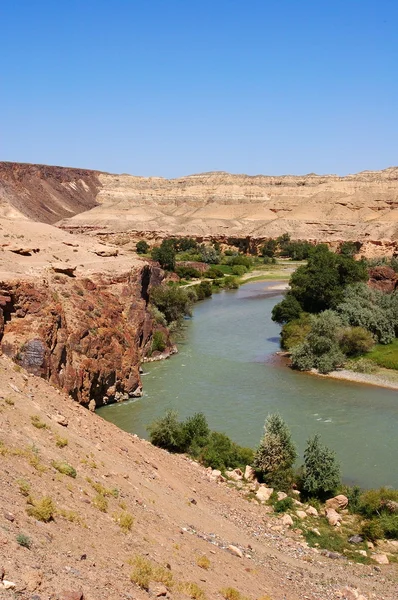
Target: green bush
pixel 24 540
pixel 239 270
pixel 64 468
pixel 276 453
pixel 372 530
pixel 289 309
pixel 158 342
pixel 165 254
pixel 355 341
pixel 173 302
pixel 187 272
pixel 214 273
pixel 142 247
pixel 363 365
pixel 222 453
pixel 203 290
pixel 167 432
pixel 295 332
pixel 283 505
pixel 246 261
pixel 321 472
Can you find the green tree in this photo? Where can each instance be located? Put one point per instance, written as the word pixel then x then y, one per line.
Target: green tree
pixel 321 473
pixel 276 454
pixel 320 283
pixel 142 247
pixel 287 310
pixel 165 255
pixel 167 432
pixel 355 341
pixel 269 248
pixel 294 332
pixel 173 302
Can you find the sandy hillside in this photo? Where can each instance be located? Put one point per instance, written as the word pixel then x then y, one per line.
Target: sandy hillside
pixel 178 516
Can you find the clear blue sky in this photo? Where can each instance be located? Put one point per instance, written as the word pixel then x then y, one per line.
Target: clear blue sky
pixel 172 87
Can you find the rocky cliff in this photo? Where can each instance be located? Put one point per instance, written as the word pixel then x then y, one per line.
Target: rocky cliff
pixel 328 208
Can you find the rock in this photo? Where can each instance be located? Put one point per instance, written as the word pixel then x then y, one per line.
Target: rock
pixel 250 474
pixel 337 503
pixel 107 253
pixel 355 539
pixel 92 405
pixel 70 595
pixel 24 251
pixel 158 590
pixel 362 552
pixel 351 594
pixel 263 493
pixel 281 496
pixel 380 559
pixel 235 550
pixel 392 506
pixel 316 531
pixel 312 511
pixel 61 420
pixel 301 514
pixel 287 521
pixel 65 269
pixel 333 517
pixel 296 492
pixel 2 573
pixel 8 585
pixel 236 475
pixel 9 516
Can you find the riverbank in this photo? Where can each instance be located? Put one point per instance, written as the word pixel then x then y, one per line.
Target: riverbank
pixel 386 378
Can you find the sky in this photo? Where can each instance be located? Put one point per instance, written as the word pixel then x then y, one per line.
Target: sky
pixel 173 87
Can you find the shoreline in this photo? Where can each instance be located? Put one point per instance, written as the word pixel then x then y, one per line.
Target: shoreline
pixel 375 379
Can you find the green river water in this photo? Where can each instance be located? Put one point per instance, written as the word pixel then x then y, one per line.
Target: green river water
pixel 226 368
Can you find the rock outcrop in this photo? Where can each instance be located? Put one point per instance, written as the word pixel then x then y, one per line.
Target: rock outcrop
pixel 86 336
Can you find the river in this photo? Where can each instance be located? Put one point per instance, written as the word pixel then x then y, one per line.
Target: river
pixel 226 369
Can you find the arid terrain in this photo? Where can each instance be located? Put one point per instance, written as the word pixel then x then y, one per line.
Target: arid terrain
pixel 330 208
pixel 74 328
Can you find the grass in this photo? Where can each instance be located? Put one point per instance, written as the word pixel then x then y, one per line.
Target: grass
pixel 24 487
pixel 42 510
pixel 231 593
pixel 9 401
pixel 192 590
pixel 101 503
pixel 125 520
pixel 100 489
pixel 24 541
pixel 145 571
pixel 203 562
pixel 64 468
pixel 37 422
pixel 385 355
pixel 61 442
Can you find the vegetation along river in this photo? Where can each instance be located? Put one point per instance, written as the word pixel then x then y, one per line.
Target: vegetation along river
pixel 226 369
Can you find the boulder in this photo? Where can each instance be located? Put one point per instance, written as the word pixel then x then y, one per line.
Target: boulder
pixel 355 539
pixel 333 517
pixel 281 496
pixel 311 511
pixel 236 475
pixel 24 251
pixel 250 474
pixel 380 559
pixel 287 521
pixel 337 503
pixel 236 551
pixel 107 253
pixel 301 514
pixel 65 269
pixel 263 493
pixel 351 594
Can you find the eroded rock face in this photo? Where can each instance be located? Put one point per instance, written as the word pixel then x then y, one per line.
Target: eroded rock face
pixel 384 279
pixel 85 336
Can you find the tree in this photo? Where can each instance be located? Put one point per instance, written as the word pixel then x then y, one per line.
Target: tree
pixel 142 247
pixel 320 349
pixel 355 341
pixel 173 302
pixel 167 432
pixel 287 310
pixel 321 473
pixel 276 453
pixel 165 254
pixel 269 248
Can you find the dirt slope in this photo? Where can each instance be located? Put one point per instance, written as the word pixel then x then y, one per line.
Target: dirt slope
pixel 179 515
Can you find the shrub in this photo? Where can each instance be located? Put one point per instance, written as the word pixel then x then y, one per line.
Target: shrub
pixel 167 432
pixel 203 562
pixel 283 505
pixel 42 510
pixel 374 502
pixel 355 341
pixel 61 442
pixel 195 433
pixel 165 254
pixel 269 248
pixel 101 503
pixel 173 302
pixel 24 487
pixel 24 540
pixel 142 572
pixel 186 272
pixel 239 270
pixel 64 468
pixel 289 309
pixel 231 593
pixel 192 590
pixel 203 290
pixel 294 332
pixel 125 520
pixel 363 365
pixel 142 247
pixel 208 254
pixel 231 283
pixel 158 342
pixel 214 273
pixel 222 453
pixel 37 422
pixel 276 453
pixel 321 473
pixel 246 261
pixel 372 530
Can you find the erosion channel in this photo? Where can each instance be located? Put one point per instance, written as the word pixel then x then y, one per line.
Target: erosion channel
pixel 226 368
